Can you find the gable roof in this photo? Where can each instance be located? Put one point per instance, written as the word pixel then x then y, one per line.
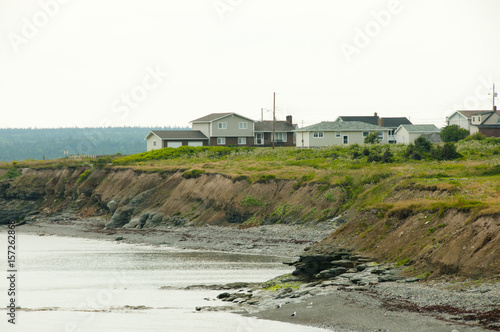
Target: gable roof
pixel 341 126
pixel 469 114
pixel 267 126
pixel 216 116
pixel 420 128
pixel 167 135
pixel 392 122
pixel 395 122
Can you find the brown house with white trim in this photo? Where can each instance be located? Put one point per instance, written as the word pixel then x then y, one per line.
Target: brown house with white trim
pixel 283 133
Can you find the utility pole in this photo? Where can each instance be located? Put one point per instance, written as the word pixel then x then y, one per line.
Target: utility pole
pixel 274 116
pixel 494 95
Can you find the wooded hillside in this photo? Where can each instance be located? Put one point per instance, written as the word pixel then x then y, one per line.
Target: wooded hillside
pixel 22 144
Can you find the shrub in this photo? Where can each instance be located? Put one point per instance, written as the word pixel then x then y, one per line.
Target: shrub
pixel 453 133
pixel 241 178
pixel 476 137
pixel 266 178
pixel 84 176
pixel 10 174
pixel 372 138
pixel 249 200
pixel 192 174
pixel 446 152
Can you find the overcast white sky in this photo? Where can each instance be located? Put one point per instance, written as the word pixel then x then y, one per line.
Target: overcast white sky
pixel 165 62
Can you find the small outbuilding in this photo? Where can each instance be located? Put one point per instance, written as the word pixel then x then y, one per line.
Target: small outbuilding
pixel 406 134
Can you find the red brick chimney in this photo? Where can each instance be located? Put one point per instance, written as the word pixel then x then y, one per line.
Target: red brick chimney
pixel 380 122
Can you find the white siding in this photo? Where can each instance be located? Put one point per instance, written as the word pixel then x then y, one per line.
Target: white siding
pixel 459 120
pixel 150 144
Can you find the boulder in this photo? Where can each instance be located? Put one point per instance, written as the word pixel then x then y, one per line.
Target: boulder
pixel 121 217
pixel 113 205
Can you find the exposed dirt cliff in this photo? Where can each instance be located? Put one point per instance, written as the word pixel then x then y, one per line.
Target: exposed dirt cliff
pixel 139 199
pixel 390 220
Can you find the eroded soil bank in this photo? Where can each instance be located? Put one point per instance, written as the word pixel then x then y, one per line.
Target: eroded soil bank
pixel 431 229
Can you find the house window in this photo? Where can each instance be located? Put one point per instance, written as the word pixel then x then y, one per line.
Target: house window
pixel 478 119
pixel 154 143
pixel 242 140
pixel 337 134
pixel 345 139
pixel 381 135
pixel 223 125
pixel 318 134
pixel 365 133
pixel 243 125
pixel 280 137
pixel 221 141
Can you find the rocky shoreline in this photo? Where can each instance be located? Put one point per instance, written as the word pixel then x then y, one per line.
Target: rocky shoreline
pixel 343 293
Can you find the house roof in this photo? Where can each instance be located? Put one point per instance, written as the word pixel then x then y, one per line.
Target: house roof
pixel 367 119
pixel 396 122
pixel 342 126
pixel 267 126
pixel 216 116
pixel 420 128
pixel 469 114
pixel 168 135
pixel 393 122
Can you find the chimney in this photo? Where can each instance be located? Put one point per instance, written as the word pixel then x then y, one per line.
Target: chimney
pixel 380 122
pixel 289 119
pixel 375 114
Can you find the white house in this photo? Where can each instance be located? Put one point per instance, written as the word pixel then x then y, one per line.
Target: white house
pixel 337 133
pixel 406 134
pixel 158 139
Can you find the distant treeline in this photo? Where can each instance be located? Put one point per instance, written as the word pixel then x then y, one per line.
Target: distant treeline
pixel 23 144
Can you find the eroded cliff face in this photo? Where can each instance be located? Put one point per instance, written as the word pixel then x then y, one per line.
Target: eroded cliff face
pixel 441 241
pixel 138 199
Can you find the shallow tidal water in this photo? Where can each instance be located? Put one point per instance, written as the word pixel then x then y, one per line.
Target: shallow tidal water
pixel 72 284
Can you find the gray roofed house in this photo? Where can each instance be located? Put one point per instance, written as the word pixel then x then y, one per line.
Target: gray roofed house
pixel 216 116
pixel 486 123
pixel 158 139
pixel 406 134
pixel 392 123
pixel 283 130
pixel 463 119
pixel 337 132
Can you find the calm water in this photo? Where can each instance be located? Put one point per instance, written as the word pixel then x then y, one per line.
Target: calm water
pixel 70 284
